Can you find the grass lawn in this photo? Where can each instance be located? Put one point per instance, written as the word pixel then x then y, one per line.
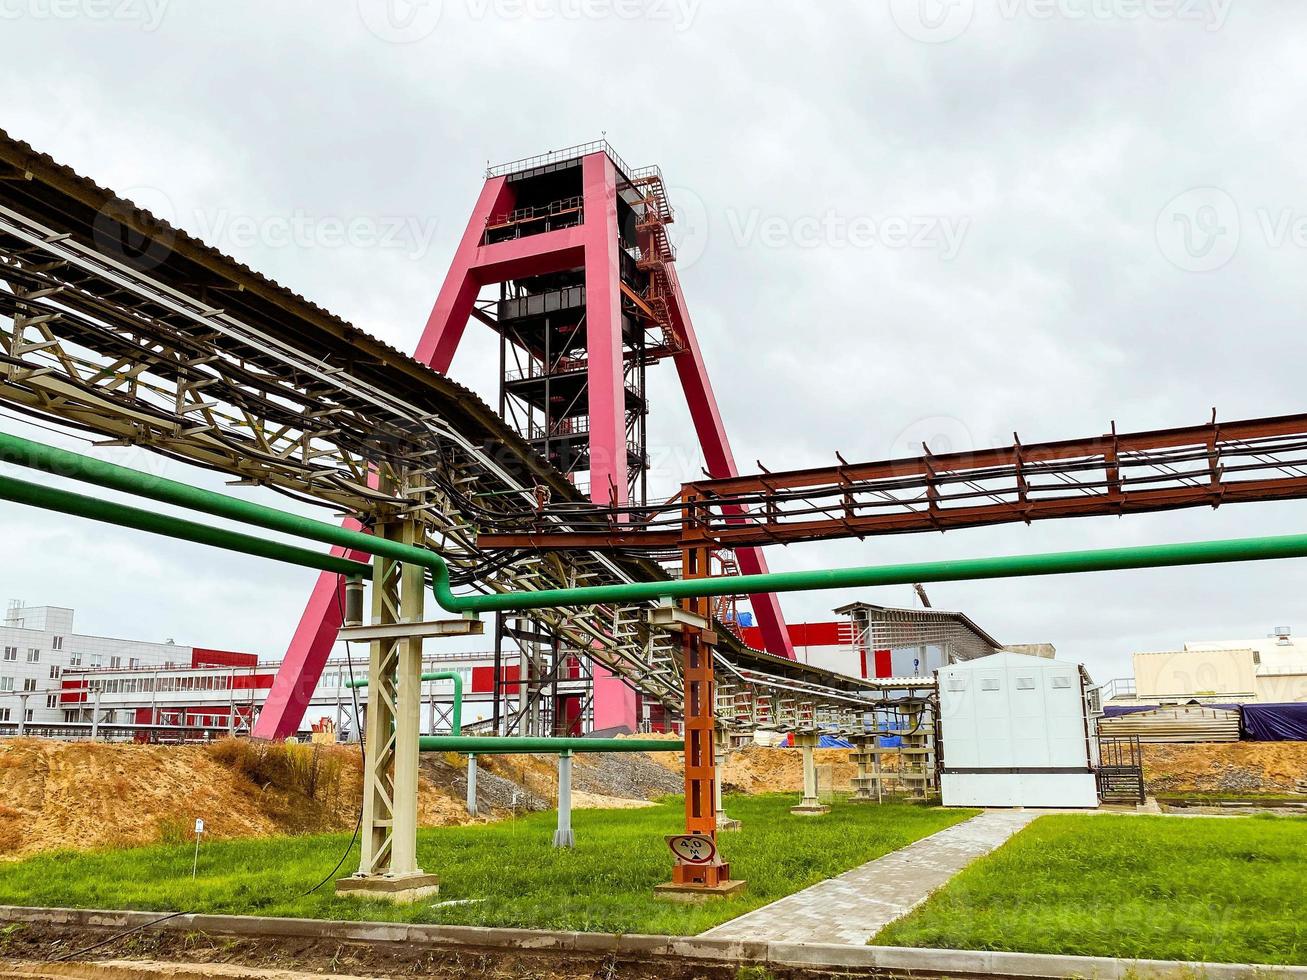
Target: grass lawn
pixel 1203 888
pixel 508 870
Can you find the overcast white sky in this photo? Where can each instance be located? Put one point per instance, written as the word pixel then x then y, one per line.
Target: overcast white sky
pixel 903 221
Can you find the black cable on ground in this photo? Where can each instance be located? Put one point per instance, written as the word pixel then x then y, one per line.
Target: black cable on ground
pixel 363 757
pixel 358 826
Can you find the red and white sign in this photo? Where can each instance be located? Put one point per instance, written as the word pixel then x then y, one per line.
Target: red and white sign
pixel 693 848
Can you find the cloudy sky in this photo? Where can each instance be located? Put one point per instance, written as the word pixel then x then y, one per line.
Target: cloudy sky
pixel 902 221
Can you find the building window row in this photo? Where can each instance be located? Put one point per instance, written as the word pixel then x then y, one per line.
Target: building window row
pixel 135 685
pixel 11 654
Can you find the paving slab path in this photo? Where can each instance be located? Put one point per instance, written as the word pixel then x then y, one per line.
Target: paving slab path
pixel 855 906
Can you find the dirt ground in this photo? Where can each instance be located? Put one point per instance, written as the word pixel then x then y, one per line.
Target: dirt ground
pixel 1230 767
pixel 84 795
pixel 81 795
pixel 760 769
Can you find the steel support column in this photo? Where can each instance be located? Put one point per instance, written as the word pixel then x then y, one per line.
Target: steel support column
pixel 388 856
pixel 712 878
pixel 811 805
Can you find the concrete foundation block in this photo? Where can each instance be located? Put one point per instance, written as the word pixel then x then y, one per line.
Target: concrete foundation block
pixel 810 811
pixel 401 891
pixel 694 894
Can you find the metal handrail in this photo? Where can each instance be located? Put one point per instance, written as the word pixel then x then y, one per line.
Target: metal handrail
pixel 558 156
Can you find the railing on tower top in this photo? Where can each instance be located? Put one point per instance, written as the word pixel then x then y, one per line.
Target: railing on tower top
pixel 559 156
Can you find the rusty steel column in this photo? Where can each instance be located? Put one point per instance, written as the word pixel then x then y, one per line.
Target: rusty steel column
pixel 704 875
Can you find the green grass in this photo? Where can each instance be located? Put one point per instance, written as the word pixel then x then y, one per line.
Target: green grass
pixel 1226 890
pixel 1235 797
pixel 509 869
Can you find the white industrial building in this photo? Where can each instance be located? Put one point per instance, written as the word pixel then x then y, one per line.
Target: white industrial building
pixel 38 647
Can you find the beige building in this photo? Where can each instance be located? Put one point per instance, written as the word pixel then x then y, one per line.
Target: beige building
pixel 1270 670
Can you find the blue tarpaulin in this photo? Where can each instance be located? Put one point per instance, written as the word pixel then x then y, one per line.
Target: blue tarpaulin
pixel 1274 722
pixel 825 742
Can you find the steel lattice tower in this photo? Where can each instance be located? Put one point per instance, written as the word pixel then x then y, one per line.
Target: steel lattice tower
pixel 587 297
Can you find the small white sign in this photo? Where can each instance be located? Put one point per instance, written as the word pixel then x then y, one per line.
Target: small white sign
pixel 199 826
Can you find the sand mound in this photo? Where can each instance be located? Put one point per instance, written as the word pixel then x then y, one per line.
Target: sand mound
pixel 1230 767
pixel 82 795
pixel 760 769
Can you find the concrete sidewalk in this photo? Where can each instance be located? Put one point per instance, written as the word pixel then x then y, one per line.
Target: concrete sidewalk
pixel 855 906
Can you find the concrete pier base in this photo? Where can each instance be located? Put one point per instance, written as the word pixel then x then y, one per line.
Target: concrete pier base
pixel 696 894
pixel 402 891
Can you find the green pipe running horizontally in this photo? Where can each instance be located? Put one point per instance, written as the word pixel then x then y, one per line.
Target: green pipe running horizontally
pixel 63 463
pixel 513 745
pixel 456 726
pixel 109 512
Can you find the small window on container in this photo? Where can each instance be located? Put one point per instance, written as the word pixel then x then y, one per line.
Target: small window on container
pixel 989 684
pixel 1062 682
pixel 1025 683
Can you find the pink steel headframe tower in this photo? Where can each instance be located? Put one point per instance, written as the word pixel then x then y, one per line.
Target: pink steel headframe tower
pixel 578 245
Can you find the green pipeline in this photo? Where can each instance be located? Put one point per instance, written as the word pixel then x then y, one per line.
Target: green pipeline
pixel 512 745
pixel 63 463
pixel 109 512
pixel 456 728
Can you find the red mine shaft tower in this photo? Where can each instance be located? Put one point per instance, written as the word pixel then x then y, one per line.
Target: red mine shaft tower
pixel 575 246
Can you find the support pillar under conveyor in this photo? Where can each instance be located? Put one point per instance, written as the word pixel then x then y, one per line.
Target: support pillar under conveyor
pixel 388 866
pixel 563 836
pixel 811 805
pixel 699 873
pixel 721 748
pixel 866 784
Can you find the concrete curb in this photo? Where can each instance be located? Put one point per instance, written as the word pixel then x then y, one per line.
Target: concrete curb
pixel 888 959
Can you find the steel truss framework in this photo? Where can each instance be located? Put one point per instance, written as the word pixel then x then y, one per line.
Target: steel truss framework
pixel 1200 466
pixel 92 336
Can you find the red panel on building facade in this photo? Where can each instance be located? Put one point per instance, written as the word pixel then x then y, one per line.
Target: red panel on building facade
pixel 246 682
pixel 222 658
pixel 483 678
pixel 884 663
pixel 801 635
